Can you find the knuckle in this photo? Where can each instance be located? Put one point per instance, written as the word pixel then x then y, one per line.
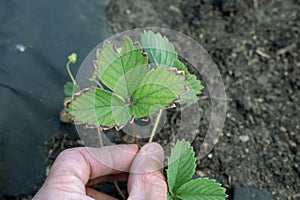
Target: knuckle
pixel 68 152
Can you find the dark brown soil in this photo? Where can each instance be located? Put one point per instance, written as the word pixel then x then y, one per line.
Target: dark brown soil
pixel 256 47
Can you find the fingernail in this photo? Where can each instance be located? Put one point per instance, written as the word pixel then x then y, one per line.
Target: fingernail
pixel 155 151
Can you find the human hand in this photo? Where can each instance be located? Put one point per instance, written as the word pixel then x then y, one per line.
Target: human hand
pixel 78 168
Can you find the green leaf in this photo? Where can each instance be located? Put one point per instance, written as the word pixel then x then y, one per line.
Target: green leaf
pixel 158 48
pixel 159 88
pixel 193 83
pixel 69 90
pixel 181 67
pixel 201 189
pixel 121 72
pixel 99 107
pixel 162 53
pixel 182 164
pixel 136 90
pixel 170 197
pixel 180 170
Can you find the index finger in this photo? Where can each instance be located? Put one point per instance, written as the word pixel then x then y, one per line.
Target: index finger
pixel 89 163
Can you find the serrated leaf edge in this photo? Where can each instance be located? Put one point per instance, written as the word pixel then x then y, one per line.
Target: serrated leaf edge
pixel 85 90
pixel 212 181
pixel 116 51
pixel 172 150
pixel 88 125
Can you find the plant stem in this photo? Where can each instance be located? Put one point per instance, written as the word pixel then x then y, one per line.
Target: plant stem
pixel 115 182
pixel 119 190
pixel 70 73
pixel 135 136
pixel 155 125
pixel 100 137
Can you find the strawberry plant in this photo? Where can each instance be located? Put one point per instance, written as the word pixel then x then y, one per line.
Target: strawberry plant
pixel 182 164
pixel 135 81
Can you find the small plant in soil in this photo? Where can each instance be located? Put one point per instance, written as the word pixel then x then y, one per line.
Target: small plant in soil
pixel 135 81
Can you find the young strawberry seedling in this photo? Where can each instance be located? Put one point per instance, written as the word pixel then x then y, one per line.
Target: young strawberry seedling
pixel 136 81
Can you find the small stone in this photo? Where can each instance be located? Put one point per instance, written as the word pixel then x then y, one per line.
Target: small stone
pixel 234 55
pixel 200 173
pixel 244 138
pixel 201 35
pixel 293 145
pixel 283 129
pixel 259 100
pixel 127 11
pixel 175 9
pixel 228 134
pixel 80 142
pixel 47 170
pixel 237 73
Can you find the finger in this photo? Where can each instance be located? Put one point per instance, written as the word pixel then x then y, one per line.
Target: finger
pixel 98 195
pixel 113 177
pixel 146 180
pixel 89 163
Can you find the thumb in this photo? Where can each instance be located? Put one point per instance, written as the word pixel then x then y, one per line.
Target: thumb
pixel 146 180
